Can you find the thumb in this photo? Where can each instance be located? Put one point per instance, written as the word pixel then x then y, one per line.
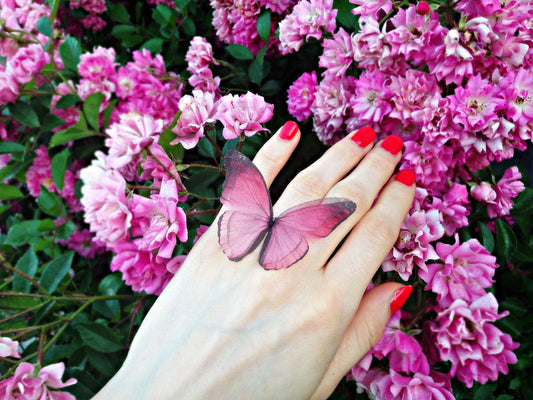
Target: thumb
pixel 363 332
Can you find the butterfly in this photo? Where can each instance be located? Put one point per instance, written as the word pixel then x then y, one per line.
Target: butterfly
pixel 250 218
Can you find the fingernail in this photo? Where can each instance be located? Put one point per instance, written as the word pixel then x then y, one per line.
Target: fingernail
pixel 400 297
pixel 393 144
pixel 406 176
pixel 288 130
pixel 364 136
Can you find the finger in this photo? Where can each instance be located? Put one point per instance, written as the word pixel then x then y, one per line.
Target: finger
pixel 362 186
pixel 370 241
pixel 315 181
pixel 362 333
pixel 276 151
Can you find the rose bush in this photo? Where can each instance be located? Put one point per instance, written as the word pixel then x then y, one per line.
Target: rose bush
pixel 114 119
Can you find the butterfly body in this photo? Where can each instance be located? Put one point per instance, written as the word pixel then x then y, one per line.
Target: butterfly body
pixel 251 220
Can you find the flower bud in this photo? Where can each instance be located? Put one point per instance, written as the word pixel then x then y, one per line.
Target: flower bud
pixel 483 192
pixel 422 8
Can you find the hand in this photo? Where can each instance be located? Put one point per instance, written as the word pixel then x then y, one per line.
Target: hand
pixel 231 330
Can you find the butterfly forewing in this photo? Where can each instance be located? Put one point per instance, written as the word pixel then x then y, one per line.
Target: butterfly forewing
pixel 241 230
pixel 286 242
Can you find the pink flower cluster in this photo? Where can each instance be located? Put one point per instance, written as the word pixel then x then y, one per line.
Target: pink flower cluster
pixel 472 107
pixel 93 8
pixel 24 59
pixel 27 383
pixel 236 21
pixel 144 231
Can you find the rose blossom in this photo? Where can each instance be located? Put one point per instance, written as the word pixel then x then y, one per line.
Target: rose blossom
pixel 99 64
pixel 484 192
pixel 301 95
pixel 465 336
pixel 197 111
pixel 9 347
pixel 129 136
pixel 465 273
pixel 27 384
pixel 508 186
pixel 243 114
pixel 28 62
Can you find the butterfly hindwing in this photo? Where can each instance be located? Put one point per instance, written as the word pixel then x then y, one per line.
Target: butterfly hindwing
pixel 286 242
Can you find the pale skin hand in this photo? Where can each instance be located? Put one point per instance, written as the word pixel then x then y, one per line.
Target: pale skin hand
pixel 231 330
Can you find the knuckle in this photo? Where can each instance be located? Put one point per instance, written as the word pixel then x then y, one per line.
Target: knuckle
pixel 356 192
pixel 308 185
pixel 381 230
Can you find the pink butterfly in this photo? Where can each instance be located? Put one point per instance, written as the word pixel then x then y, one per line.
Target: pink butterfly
pixel 250 219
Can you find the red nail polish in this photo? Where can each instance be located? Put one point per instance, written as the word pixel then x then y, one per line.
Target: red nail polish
pixel 400 297
pixel 288 130
pixel 364 136
pixel 406 176
pixel 393 144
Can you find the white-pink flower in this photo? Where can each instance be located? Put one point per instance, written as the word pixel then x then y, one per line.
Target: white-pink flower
pixel 28 62
pixel 104 202
pixel 128 137
pixel 9 347
pixel 196 111
pixel 243 115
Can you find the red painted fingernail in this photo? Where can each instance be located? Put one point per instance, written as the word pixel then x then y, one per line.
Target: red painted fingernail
pixel 406 176
pixel 393 144
pixel 364 136
pixel 400 297
pixel 288 130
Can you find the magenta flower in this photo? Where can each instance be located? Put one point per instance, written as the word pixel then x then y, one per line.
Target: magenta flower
pixel 508 186
pixel 26 383
pixel 372 94
pixel 396 386
pixel 140 269
pixel 454 208
pixel 370 8
pixel 9 87
pixel 197 111
pixel 99 64
pixel 104 202
pixel 301 95
pixel 465 273
pixel 28 62
pixel 128 137
pixel 40 173
pixel 199 55
pixel 518 88
pixel 9 347
pixel 413 246
pixel 466 337
pixel 338 54
pixel 243 115
pixel 158 221
pixel 307 20
pixel 84 244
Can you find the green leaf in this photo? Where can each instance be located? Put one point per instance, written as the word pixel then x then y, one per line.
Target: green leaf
pixel 344 13
pixel 20 303
pixel 75 132
pixel 24 114
pixel 99 337
pixel 162 14
pixel 49 202
pixel 256 70
pixel 240 52
pixel 154 45
pixel 487 238
pixel 123 31
pixel 205 147
pixel 270 88
pixel 263 25
pixel 51 121
pixel 110 284
pixel 107 113
pixel 181 5
pixel 119 13
pixel 28 264
pixel 70 52
pixel 44 26
pixel 66 101
pixel 59 167
pixel 64 231
pixel 91 108
pixel 21 233
pixel 55 271
pixel 8 192
pixel 524 202
pixel 506 241
pixel 11 147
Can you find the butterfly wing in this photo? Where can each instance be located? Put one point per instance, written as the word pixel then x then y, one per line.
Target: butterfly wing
pixel 286 241
pixel 241 230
